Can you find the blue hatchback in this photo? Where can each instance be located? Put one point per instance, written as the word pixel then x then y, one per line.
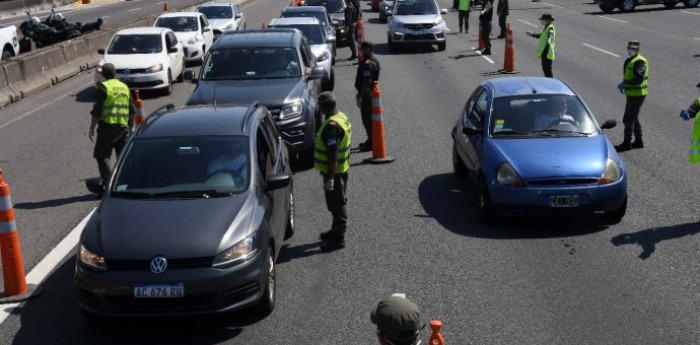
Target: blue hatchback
pixel 534 148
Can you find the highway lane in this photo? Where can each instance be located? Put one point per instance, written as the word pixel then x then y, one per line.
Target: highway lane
pixel 413 225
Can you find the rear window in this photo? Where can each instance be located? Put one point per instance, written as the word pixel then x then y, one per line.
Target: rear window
pixel 178 24
pixel 330 5
pixel 135 44
pixel 318 15
pixel 217 12
pixel 311 32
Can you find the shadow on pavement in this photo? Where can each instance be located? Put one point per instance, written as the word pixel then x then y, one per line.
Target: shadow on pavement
pixel 55 318
pixel 86 95
pixel 637 10
pixel 648 239
pixel 288 253
pixel 453 203
pixel 55 202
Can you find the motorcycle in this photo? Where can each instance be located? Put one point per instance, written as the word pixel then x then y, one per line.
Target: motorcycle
pixel 52 30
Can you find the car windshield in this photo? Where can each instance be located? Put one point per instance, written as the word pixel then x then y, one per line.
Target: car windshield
pixel 135 44
pixel 540 115
pixel 178 24
pixel 252 63
pixel 168 166
pixel 217 12
pixel 318 15
pixel 415 7
pixel 312 33
pixel 330 5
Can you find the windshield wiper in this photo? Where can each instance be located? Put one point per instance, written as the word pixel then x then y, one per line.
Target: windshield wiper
pixel 199 194
pixel 559 131
pixel 510 132
pixel 131 195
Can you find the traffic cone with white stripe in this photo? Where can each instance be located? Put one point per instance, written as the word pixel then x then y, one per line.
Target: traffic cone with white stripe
pixel 379 155
pixel 360 38
pixel 138 104
pixel 14 282
pixel 509 59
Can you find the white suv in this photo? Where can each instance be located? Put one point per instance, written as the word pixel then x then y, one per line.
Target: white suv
pixel 145 58
pixel 417 21
pixel 192 31
pixel 223 16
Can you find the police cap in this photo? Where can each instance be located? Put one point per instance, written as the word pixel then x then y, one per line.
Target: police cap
pixel 547 16
pixel 326 98
pixel 397 319
pixel 633 45
pixel 108 70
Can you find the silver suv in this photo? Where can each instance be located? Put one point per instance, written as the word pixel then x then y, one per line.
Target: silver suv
pixel 417 21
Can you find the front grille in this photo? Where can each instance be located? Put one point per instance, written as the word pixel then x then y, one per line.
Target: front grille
pixel 144 265
pixel 275 112
pixel 145 83
pixel 418 26
pixel 131 71
pixel 419 37
pixel 189 301
pixel 563 182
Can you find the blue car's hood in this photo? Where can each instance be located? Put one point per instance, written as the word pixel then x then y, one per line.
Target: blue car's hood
pixel 542 158
pixel 266 91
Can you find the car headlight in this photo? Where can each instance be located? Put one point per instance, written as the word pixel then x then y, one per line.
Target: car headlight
pixel 191 41
pixel 611 174
pixel 241 251
pixel 98 70
pixel 437 23
pixel 325 56
pixel 506 175
pixel 155 68
pixel 291 110
pixel 91 259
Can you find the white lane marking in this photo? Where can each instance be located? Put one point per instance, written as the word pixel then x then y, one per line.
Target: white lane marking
pixel 527 23
pixel 693 13
pixel 557 6
pixel 608 18
pixel 134 9
pixel 103 17
pixel 40 107
pixel 483 56
pixel 49 262
pixel 696 38
pixel 600 50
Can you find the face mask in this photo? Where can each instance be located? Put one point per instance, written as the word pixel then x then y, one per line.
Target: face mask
pixel 543 22
pixel 631 52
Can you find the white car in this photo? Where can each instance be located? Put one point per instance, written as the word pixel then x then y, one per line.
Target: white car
pixel 417 21
pixel 145 58
pixel 8 42
pixel 223 16
pixel 321 45
pixel 192 31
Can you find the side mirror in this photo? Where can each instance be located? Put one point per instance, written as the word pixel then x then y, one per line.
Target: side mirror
pixel 190 76
pixel 237 16
pixel 336 23
pixel 608 124
pixel 278 181
pixel 206 29
pixel 443 11
pixel 466 130
pixel 387 13
pixel 101 51
pixel 94 186
pixel 318 73
pixel 172 49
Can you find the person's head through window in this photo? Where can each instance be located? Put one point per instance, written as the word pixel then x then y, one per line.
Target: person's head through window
pixel 554 115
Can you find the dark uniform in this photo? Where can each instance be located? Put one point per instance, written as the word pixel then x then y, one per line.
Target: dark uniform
pixel 352 15
pixel 367 73
pixel 634 85
pixel 502 12
pixel 485 18
pixel 113 113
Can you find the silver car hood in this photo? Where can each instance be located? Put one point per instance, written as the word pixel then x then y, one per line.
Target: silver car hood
pixel 221 23
pixel 417 19
pixel 318 49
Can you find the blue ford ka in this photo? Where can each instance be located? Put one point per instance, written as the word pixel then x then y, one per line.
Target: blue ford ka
pixel 534 148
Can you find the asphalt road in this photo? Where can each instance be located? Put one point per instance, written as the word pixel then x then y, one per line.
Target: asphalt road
pixel 414 227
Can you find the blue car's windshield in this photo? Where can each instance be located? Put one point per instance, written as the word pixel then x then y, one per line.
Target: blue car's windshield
pixel 172 165
pixel 542 114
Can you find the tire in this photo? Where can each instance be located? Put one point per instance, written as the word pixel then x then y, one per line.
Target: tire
pixel 458 166
pixel 169 89
pixel 6 54
pixel 392 45
pixel 670 4
pixel 328 84
pixel 627 6
pixel 181 76
pixel 616 216
pixel 267 302
pixel 383 19
pixel 487 214
pixel 289 231
pixel 606 7
pixel 442 46
pixel 691 3
pixel 305 159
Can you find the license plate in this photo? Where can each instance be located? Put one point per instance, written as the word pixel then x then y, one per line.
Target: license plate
pixel 563 201
pixel 419 33
pixel 159 291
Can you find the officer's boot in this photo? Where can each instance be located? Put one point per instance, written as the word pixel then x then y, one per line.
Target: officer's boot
pixel 627 142
pixel 637 143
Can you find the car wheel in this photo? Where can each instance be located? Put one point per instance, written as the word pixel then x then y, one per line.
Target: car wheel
pixel 442 46
pixel 616 216
pixel 169 88
pixel 6 54
pixel 670 4
pixel 392 45
pixel 627 6
pixel 486 212
pixel 606 7
pixel 691 3
pixel 289 232
pixel 305 159
pixel 382 19
pixel 181 76
pixel 457 165
pixel 267 302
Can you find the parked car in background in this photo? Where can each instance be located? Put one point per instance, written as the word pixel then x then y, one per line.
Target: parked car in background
pixel 534 148
pixel 8 42
pixel 223 16
pixel 417 21
pixel 146 58
pixel 337 10
pixel 192 31
pixel 608 6
pixel 193 219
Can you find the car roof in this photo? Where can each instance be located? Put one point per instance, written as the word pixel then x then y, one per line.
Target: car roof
pixel 295 21
pixel 180 14
pixel 521 86
pixel 305 9
pixel 148 30
pixel 198 120
pixel 217 3
pixel 259 38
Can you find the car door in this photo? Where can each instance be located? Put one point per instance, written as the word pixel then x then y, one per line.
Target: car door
pixel 268 158
pixel 207 33
pixel 473 117
pixel 308 59
pixel 176 59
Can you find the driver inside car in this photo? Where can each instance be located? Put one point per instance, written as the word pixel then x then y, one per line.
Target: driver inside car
pixel 554 116
pixel 233 160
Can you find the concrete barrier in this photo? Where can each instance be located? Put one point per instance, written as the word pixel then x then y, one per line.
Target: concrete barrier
pixel 7 95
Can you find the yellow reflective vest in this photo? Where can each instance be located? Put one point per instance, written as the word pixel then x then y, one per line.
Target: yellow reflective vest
pixel 636 89
pixel 115 109
pixel 321 150
pixel 464 5
pixel 694 157
pixel 544 40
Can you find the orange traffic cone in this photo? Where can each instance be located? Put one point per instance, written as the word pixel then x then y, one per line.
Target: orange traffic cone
pixel 436 338
pixel 509 60
pixel 165 6
pixel 481 38
pixel 378 139
pixel 15 284
pixel 138 104
pixel 360 38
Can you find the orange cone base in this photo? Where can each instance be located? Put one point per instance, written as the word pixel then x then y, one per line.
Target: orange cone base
pixel 32 291
pixel 383 160
pixel 505 71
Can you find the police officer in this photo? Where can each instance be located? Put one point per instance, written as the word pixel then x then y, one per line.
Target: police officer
pixel 485 17
pixel 367 73
pixel 502 12
pixel 398 321
pixel 352 15
pixel 464 8
pixel 547 44
pixel 690 113
pixel 332 159
pixel 113 115
pixel 635 76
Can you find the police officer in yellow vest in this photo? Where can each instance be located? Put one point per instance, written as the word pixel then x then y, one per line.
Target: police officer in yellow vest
pixel 332 159
pixel 546 48
pixel 634 86
pixel 113 115
pixel 690 113
pixel 464 7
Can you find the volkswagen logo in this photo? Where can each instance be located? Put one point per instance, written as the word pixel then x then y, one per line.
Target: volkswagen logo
pixel 159 264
